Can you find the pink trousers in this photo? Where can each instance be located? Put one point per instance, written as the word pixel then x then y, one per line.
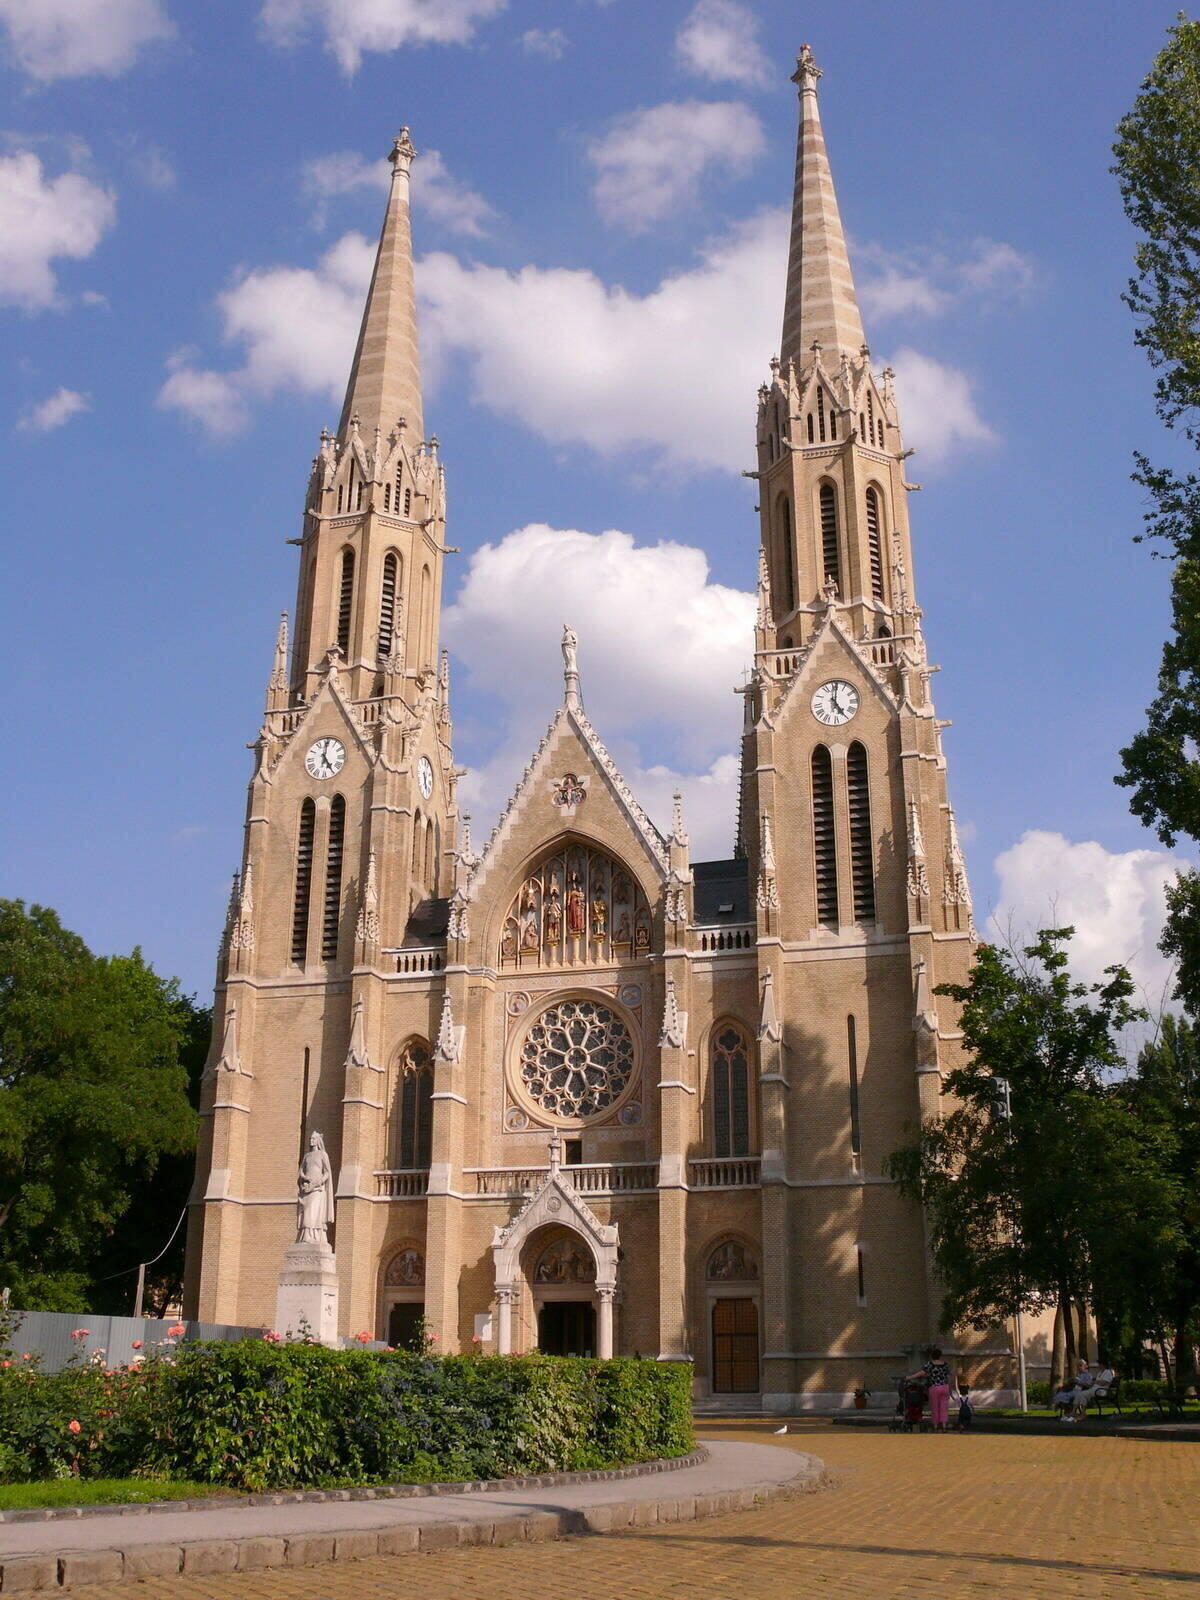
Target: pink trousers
pixel 939 1404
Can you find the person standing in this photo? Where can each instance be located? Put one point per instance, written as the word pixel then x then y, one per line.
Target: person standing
pixel 937 1375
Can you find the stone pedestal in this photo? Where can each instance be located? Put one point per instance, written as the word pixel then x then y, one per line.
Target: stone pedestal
pixel 307 1299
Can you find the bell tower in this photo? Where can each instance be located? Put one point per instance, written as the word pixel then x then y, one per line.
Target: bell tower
pixel 859 884
pixel 351 821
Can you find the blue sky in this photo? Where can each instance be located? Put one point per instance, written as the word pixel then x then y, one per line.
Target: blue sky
pixel 187 195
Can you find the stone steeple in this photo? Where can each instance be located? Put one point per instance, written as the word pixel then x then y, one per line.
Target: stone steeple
pixel 385 380
pixel 820 304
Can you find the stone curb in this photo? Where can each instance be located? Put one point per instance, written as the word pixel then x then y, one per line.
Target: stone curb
pixel 207 1557
pixel 378 1491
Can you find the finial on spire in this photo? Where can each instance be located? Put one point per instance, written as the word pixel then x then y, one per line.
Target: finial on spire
pixel 356 1053
pixel 447 1046
pixel 403 150
pixel 673 1034
pixel 570 655
pixel 769 1025
pixel 279 680
pixel 554 1151
pixel 807 71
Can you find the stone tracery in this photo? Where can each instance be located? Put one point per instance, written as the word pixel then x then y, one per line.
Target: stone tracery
pixel 576 1059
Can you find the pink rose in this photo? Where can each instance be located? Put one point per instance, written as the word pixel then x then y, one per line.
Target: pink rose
pixel 6 1363
pixel 73 1425
pixel 176 1330
pixel 364 1337
pixel 137 1344
pixel 80 1333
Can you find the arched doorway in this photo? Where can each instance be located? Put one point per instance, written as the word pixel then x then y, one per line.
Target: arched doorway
pixel 404 1299
pixel 556 1234
pixel 563 1280
pixel 731 1281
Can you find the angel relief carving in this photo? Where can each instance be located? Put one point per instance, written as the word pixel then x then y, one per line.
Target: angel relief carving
pixel 578 908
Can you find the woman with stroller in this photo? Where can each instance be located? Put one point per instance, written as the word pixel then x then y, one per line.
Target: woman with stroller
pixel 937 1375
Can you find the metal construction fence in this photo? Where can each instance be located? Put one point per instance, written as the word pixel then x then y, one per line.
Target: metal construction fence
pixel 57 1336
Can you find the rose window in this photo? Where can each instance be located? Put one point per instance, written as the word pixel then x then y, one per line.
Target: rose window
pixel 577 1059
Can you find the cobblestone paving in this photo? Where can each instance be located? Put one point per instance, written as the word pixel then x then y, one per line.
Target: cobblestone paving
pixel 910 1515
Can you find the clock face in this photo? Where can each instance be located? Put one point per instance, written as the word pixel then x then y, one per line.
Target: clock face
pixel 425 776
pixel 326 758
pixel 835 703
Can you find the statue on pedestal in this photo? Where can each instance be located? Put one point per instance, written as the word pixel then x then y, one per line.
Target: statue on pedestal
pixel 314 1208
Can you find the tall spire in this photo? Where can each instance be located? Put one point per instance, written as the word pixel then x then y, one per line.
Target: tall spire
pixel 385 380
pixel 820 304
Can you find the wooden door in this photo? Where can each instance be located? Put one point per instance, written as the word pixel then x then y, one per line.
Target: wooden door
pixel 735 1347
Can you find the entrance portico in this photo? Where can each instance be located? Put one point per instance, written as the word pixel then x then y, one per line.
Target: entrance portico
pixel 576 1266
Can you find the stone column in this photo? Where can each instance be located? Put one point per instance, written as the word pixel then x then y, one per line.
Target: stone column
pixel 505 1297
pixel 604 1324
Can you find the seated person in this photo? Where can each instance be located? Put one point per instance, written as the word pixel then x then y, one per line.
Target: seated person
pixel 1102 1381
pixel 1064 1399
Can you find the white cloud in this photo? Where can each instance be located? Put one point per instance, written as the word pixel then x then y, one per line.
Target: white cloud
pixel 937 407
pixel 153 166
pixel 672 373
pixel 653 676
pixel 917 282
pixel 354 28
pixel 650 163
pixel 43 218
pixel 1115 900
pixel 74 38
pixel 436 194
pixel 718 40
pixel 212 399
pixel 548 42
pixel 641 382
pixel 53 411
pixel 297 325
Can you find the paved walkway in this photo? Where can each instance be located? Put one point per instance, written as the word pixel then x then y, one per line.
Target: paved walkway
pixel 230 1536
pixel 941 1517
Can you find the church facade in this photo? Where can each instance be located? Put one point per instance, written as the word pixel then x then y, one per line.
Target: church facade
pixel 580 1091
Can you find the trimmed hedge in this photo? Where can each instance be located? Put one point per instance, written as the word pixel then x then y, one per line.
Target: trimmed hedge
pixel 255 1415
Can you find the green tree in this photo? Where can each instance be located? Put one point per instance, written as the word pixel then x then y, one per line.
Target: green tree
pixel 93 1096
pixel 1037 1184
pixel 1158 168
pixel 1158 1296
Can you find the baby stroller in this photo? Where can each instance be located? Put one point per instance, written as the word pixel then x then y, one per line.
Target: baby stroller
pixel 909 1415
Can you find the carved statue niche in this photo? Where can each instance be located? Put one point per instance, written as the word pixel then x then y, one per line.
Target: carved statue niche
pixel 578 907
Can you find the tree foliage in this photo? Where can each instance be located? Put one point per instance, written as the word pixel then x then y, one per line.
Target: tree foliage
pixel 93 1097
pixel 1038 1187
pixel 1157 154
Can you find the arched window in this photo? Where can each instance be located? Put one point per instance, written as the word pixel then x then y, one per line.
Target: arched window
pixel 830 554
pixel 418 843
pixel 341 494
pixel 862 424
pixel 407 501
pixel 874 547
pixel 334 852
pixel 852 1064
pixel 345 602
pixel 821 412
pixel 387 603
pixel 387 497
pixel 414 1106
pixel 824 837
pixel 304 855
pixel 862 854
pixel 426 614
pixel 810 427
pixel 399 481
pixel 359 497
pixel 430 877
pixel 832 423
pixel 786 545
pixel 729 1066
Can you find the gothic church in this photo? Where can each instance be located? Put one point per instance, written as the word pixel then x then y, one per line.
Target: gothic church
pixel 582 1092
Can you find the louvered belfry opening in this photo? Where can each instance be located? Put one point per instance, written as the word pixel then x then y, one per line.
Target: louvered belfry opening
pixel 874 548
pixel 387 604
pixel 824 837
pixel 787 558
pixel 333 878
pixel 830 554
pixel 304 855
pixel 852 1062
pixel 345 602
pixel 862 862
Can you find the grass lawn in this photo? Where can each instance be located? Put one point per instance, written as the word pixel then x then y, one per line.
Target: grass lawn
pixel 99 1492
